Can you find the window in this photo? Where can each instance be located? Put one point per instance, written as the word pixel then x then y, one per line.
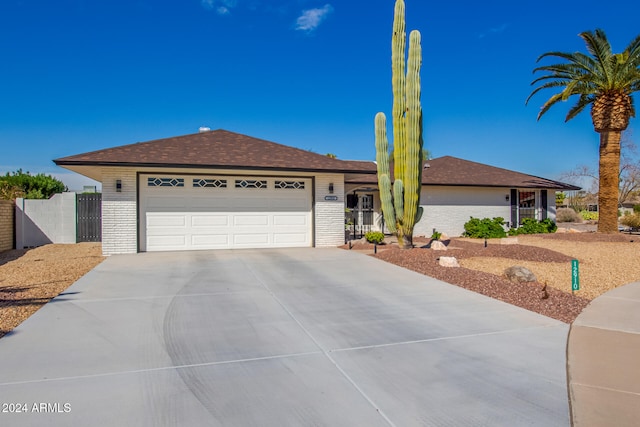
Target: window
pixel 297 185
pixel 250 183
pixel 526 205
pixel 165 182
pixel 209 183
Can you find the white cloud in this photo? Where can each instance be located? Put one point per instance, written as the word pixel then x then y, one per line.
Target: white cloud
pixel 312 18
pixel 495 30
pixel 222 7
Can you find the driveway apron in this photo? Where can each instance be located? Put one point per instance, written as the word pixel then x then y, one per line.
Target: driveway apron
pixel 287 337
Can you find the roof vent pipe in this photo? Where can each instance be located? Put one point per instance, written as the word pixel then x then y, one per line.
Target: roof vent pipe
pixel 203 129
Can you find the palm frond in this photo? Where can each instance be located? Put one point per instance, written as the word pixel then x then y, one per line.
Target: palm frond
pixel 550 102
pixel 583 101
pixel 588 75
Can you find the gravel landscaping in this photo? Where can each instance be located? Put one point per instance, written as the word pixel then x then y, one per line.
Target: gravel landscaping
pixel 606 262
pixel 29 278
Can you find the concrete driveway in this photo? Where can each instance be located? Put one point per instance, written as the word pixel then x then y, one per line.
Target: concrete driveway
pixel 294 337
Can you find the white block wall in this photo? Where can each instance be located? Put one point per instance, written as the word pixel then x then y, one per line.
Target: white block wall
pixel 447 209
pixel 119 212
pixel 39 222
pixel 329 215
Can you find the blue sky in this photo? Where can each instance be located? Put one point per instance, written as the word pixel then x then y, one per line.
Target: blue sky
pixel 82 75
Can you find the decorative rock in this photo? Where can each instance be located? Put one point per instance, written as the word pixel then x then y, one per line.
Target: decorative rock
pixel 437 245
pixel 509 241
pixel 448 261
pixel 519 274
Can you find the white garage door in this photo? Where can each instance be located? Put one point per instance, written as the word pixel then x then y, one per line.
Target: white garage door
pixel 188 212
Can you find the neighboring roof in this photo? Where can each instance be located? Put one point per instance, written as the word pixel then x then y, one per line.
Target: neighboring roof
pixel 453 171
pixel 215 149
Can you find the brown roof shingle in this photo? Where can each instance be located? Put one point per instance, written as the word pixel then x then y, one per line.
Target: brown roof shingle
pixel 453 171
pixel 215 149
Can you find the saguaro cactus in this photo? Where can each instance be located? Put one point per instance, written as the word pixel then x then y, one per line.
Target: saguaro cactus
pixel 400 201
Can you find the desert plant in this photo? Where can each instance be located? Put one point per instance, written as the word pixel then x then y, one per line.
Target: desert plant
pixel 400 201
pixel 374 237
pixel 485 228
pixel 567 215
pixel 532 226
pixel 436 235
pixel 636 208
pixel 589 216
pixel 631 220
pixel 605 81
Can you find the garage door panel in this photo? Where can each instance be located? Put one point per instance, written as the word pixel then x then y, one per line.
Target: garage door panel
pixel 165 242
pixel 205 215
pixel 251 239
pixel 165 221
pixel 250 220
pixel 210 240
pixel 290 238
pixel 210 220
pixel 290 220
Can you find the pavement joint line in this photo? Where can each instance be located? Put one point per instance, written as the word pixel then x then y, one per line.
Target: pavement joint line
pixel 606 388
pixel 324 351
pixel 605 328
pixel 154 296
pixel 455 337
pixel 163 368
pixel 623 298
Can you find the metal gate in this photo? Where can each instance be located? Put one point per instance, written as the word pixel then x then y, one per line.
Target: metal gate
pixel 89 217
pixel 360 215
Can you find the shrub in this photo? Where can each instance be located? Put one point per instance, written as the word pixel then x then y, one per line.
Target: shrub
pixel 374 237
pixel 567 215
pixel 531 226
pixel 484 228
pixel 589 216
pixel 436 235
pixel 636 208
pixel 632 221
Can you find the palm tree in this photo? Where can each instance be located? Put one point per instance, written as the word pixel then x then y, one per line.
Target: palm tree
pixel 606 81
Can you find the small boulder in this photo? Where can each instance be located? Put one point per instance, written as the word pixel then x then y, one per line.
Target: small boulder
pixel 448 261
pixel 519 274
pixel 437 245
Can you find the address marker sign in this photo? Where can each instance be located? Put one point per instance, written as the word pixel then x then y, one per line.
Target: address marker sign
pixel 575 275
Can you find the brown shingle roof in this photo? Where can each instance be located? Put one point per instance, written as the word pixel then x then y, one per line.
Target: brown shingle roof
pixel 215 149
pixel 453 171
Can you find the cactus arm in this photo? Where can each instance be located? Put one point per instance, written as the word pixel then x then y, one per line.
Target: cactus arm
pixel 413 161
pixel 384 181
pixel 382 144
pixel 387 203
pixel 398 44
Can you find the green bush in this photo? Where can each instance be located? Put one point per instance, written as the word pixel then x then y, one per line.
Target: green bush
pixel 23 184
pixel 484 228
pixel 632 221
pixel 636 208
pixel 374 237
pixel 567 215
pixel 531 226
pixel 436 235
pixel 589 216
